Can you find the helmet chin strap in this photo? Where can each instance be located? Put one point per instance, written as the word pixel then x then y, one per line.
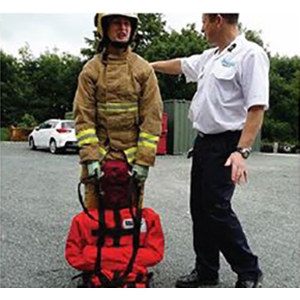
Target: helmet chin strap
pixel 119 45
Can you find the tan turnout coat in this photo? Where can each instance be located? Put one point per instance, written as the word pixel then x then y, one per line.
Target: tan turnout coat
pixel 118 112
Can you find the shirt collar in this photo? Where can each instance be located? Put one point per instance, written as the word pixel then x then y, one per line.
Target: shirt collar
pixel 232 46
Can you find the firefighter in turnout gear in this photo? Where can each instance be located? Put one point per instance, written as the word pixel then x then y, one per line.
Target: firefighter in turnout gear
pixel 117 106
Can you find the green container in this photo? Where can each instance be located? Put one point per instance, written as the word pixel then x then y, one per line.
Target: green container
pixel 180 132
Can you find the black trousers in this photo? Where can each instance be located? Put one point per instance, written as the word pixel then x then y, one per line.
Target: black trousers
pixel 216 227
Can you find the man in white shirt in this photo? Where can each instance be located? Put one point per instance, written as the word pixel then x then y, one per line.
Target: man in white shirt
pixel 227 111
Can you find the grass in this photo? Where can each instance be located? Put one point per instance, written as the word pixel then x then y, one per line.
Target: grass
pixel 4 135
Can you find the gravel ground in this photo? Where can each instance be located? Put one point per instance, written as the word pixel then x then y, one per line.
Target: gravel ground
pixel 38 201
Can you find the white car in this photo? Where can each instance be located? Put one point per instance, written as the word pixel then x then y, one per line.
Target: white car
pixel 56 135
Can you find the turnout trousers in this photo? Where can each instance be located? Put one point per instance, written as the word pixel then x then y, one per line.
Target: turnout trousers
pixel 216 227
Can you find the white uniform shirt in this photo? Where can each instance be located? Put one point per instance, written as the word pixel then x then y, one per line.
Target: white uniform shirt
pixel 229 83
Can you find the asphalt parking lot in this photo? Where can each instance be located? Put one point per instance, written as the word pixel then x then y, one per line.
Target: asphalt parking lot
pixel 38 201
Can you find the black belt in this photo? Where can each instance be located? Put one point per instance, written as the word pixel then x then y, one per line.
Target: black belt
pixel 221 134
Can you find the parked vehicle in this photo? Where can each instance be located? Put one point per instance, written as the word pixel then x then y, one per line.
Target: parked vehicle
pixel 55 135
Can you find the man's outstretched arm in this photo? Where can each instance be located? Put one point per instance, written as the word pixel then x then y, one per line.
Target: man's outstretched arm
pixel 172 66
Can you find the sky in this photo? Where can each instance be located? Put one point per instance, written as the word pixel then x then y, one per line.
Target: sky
pixel 64 27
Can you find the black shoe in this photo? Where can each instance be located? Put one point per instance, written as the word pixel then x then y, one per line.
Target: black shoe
pixel 250 283
pixel 194 280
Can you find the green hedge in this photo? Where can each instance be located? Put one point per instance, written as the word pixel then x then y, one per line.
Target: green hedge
pixel 4 134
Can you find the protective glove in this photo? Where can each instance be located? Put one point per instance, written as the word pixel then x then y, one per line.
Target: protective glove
pixel 94 168
pixel 141 172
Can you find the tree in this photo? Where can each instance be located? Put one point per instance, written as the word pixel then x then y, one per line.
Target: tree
pixel 55 81
pixel 172 45
pixel 13 89
pixel 150 27
pixel 43 87
pixel 281 121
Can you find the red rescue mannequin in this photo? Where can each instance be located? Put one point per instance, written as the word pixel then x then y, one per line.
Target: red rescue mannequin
pixel 118 239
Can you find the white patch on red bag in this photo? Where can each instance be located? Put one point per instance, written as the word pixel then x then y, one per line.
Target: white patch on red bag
pixel 129 223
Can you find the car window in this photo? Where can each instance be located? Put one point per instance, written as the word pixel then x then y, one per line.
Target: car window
pixel 69 124
pixel 53 124
pixel 45 125
pixel 48 125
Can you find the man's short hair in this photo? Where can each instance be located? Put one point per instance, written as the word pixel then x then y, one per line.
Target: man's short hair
pixel 230 18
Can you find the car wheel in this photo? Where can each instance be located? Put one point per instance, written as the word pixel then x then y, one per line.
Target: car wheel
pixel 32 144
pixel 287 149
pixel 53 147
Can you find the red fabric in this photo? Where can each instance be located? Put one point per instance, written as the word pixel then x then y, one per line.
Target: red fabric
pixel 164 124
pixel 81 248
pixel 162 143
pixel 115 184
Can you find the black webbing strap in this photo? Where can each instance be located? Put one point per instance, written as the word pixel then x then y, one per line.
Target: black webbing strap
pixel 101 225
pixel 120 280
pixel 113 232
pixel 118 227
pixel 100 242
pixel 81 198
pixel 134 190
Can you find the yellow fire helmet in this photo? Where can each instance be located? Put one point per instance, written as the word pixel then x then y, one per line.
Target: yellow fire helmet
pixel 101 18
